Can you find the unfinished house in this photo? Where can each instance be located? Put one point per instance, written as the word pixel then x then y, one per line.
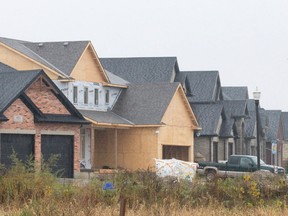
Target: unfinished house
pixel 114 139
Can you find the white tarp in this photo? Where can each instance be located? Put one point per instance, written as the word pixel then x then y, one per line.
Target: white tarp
pixel 176 168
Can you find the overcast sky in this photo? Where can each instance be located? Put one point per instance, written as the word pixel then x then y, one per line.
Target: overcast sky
pixel 245 40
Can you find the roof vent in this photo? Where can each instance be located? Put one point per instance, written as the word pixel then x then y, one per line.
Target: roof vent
pixel 40 44
pixel 65 43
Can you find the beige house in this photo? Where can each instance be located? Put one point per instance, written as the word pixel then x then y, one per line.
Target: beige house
pixel 130 124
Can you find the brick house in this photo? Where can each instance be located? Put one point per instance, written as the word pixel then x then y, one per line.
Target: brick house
pixel 37 119
pixel 274 136
pixel 285 139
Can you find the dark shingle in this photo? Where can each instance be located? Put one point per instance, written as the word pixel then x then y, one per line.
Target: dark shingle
pixel 142 70
pixel 20 47
pixel 208 116
pixel 62 55
pixel 105 117
pixel 250 125
pixel 274 118
pixel 235 108
pixel 145 103
pixel 204 86
pixel 116 79
pixel 12 84
pixel 6 68
pixel 235 93
pixel 227 128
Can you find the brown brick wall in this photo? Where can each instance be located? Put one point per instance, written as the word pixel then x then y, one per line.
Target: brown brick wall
pixel 18 108
pixel 44 99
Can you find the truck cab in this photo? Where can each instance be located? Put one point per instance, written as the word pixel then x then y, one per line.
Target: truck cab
pixel 237 165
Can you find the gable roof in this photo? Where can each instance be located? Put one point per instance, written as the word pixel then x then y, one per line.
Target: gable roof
pixel 208 116
pixel 62 55
pixel 228 128
pixel 19 46
pixel 250 124
pixel 274 118
pixel 204 86
pixel 13 86
pixel 142 69
pixel 6 68
pixel 145 104
pixel 235 93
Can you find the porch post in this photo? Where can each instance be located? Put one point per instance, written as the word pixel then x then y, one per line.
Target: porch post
pixel 116 148
pixel 92 146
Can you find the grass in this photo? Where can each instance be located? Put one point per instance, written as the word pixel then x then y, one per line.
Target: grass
pixel 25 191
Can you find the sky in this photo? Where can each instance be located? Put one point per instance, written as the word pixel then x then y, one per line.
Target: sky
pixel 245 40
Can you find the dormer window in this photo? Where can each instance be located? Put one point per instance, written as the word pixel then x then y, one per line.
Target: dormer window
pixel 85 95
pixel 75 94
pixel 107 97
pixel 96 97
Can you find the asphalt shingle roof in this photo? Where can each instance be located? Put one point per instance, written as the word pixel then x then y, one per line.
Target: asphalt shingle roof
pixel 12 84
pixel 116 79
pixel 235 108
pixel 227 128
pixel 203 86
pixel 274 118
pixel 6 68
pixel 62 55
pixel 208 116
pixel 235 93
pixel 20 46
pixel 250 125
pixel 105 117
pixel 142 69
pixel 145 104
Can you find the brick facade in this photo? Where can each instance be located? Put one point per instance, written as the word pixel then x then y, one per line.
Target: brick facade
pixel 21 121
pixel 44 99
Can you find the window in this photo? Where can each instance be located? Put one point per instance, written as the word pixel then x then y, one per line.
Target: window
pixel 107 97
pixel 230 149
pixel 96 96
pixel 245 162
pixel 215 151
pixel 85 95
pixel 75 94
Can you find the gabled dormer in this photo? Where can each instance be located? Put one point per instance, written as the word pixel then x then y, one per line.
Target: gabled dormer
pixel 202 86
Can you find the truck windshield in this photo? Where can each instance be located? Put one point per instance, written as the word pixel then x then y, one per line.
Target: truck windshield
pixel 255 161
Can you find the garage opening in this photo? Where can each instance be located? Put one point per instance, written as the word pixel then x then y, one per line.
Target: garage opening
pixel 21 144
pixel 63 147
pixel 177 152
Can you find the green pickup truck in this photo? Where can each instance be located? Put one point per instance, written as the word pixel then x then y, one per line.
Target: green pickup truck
pixel 237 165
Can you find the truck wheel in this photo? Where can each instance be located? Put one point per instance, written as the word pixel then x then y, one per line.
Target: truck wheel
pixel 210 175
